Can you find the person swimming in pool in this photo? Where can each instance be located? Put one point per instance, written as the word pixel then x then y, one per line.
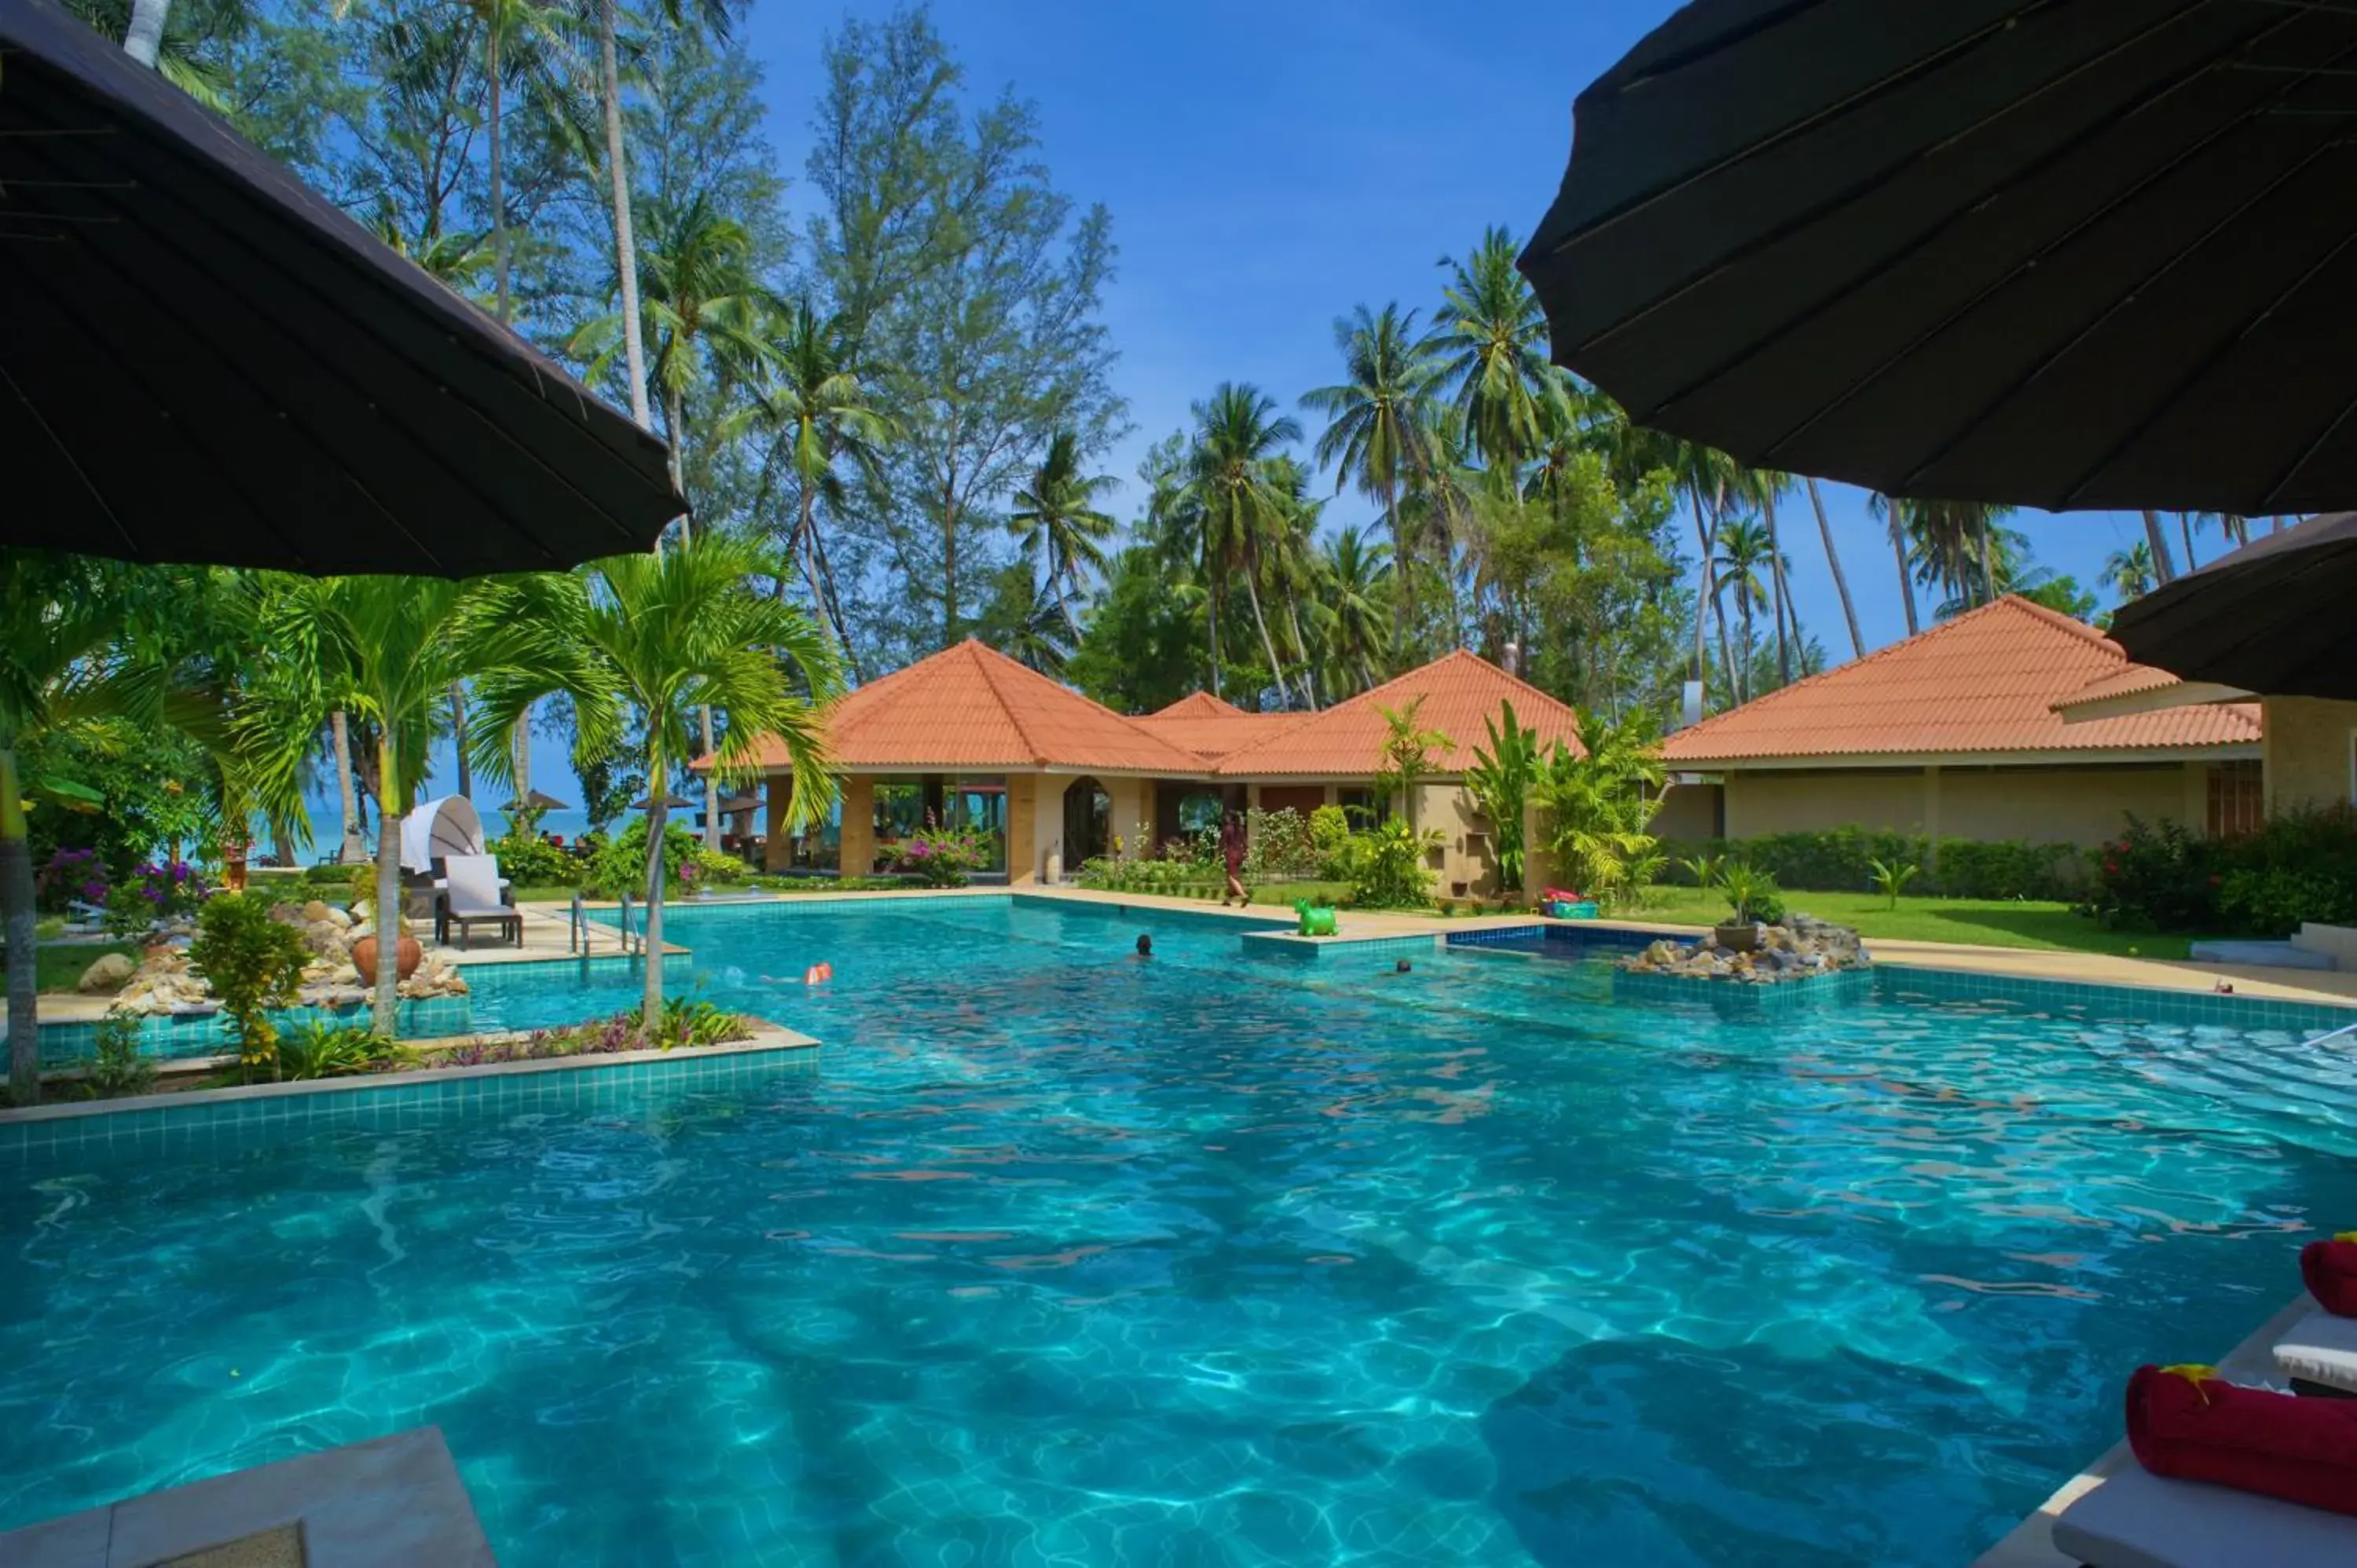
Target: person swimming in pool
pixel 1144 945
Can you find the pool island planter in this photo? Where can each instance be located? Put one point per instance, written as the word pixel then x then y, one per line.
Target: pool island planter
pixel 153 1123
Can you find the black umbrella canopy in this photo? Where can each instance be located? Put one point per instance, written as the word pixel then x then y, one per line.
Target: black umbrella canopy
pixel 2277 617
pixel 202 360
pixel 539 800
pixel 2061 254
pixel 671 803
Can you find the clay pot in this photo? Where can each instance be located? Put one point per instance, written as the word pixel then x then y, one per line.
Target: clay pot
pixel 1738 939
pixel 407 957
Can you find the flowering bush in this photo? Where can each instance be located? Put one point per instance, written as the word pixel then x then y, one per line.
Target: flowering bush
pixel 70 874
pixel 2301 866
pixel 153 894
pixel 939 858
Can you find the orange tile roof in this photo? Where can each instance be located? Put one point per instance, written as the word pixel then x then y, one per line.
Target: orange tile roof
pixel 1459 690
pixel 2129 680
pixel 972 706
pixel 1210 727
pixel 1985 682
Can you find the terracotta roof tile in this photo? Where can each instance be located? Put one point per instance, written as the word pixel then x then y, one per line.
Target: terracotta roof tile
pixel 1460 691
pixel 1985 682
pixel 1212 728
pixel 972 706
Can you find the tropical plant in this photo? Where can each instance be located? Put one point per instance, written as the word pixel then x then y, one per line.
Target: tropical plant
pixel 386 650
pixel 1230 496
pixel 1833 561
pixel 2129 573
pixel 1055 519
pixel 1599 798
pixel 1752 895
pixel 1489 338
pixel 940 857
pixel 1406 756
pixel 1379 433
pixel 253 962
pixel 117 1065
pixel 642 644
pixel 316 1050
pixel 1500 781
pixel 1388 866
pixel 1744 547
pixel 1890 877
pixel 1354 578
pixel 1706 868
pixel 820 415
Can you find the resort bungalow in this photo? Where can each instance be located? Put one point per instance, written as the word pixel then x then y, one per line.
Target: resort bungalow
pixel 970 738
pixel 1956 733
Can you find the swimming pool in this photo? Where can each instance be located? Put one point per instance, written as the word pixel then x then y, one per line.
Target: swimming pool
pixel 1059 1256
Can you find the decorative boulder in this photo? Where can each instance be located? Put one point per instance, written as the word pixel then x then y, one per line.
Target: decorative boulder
pixel 110 972
pixel 315 911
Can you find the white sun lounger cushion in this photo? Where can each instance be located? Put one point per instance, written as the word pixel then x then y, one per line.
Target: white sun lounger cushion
pixel 2137 1520
pixel 2320 1348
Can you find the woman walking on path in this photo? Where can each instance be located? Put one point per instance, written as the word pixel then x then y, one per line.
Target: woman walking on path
pixel 1232 846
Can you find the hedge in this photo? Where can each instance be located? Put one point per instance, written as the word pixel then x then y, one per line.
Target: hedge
pixel 1841 860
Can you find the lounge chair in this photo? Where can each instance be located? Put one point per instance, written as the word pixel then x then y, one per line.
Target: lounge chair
pixel 475 898
pixel 2138 1520
pixel 2318 1354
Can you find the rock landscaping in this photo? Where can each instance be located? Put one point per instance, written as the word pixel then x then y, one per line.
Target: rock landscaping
pixel 163 983
pixel 1801 947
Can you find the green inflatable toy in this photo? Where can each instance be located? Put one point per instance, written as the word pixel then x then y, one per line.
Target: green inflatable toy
pixel 1315 921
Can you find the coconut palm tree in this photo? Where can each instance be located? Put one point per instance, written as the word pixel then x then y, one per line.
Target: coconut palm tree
pixel 1744 547
pixel 820 416
pixel 385 650
pixel 2129 572
pixel 699 292
pixel 1231 485
pixel 2164 569
pixel 1954 547
pixel 1488 340
pixel 1056 521
pixel 645 643
pixel 1832 560
pixel 529 45
pixel 1356 574
pixel 1378 431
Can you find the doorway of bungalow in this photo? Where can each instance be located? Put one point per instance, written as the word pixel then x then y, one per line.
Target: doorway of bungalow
pixel 1088 823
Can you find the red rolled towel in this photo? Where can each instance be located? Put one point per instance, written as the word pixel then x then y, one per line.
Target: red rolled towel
pixel 2186 1424
pixel 2328 1269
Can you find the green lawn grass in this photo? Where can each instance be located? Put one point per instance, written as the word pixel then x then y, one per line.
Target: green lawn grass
pixel 1979 922
pixel 59 965
pixel 1283 894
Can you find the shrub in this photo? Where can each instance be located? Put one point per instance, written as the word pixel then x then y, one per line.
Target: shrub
pixel 618 864
pixel 1330 830
pixel 938 857
pixel 684 1022
pixel 317 1050
pixel 1386 867
pixel 528 862
pixel 71 875
pixel 716 869
pixel 116 1066
pixel 1281 847
pixel 252 963
pixel 153 894
pixel 1842 860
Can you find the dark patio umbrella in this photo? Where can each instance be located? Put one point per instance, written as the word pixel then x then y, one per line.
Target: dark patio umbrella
pixel 538 799
pixel 671 803
pixel 2278 615
pixel 202 360
pixel 2092 254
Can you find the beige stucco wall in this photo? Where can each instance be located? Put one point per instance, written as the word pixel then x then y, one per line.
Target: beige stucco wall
pixel 2308 752
pixel 2081 805
pixel 1468 852
pixel 1132 813
pixel 1688 812
pixel 1810 802
pixel 858 855
pixel 1022 829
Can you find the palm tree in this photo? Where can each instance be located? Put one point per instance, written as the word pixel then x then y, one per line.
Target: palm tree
pixel 1953 545
pixel 2164 569
pixel 644 643
pixel 1489 340
pixel 386 650
pixel 1056 520
pixel 1743 548
pixel 1406 756
pixel 697 286
pixel 1230 483
pixel 1893 513
pixel 531 43
pixel 1832 559
pixel 1378 431
pixel 1287 556
pixel 2129 572
pixel 351 848
pixel 1766 486
pixel 1356 577
pixel 814 402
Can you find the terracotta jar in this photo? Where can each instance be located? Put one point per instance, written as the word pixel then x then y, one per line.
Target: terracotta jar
pixel 407 957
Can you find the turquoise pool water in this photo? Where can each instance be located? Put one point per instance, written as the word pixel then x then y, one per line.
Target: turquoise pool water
pixel 1058 1257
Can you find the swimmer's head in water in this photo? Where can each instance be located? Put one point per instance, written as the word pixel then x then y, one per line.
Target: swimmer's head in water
pixel 1402 967
pixel 1144 945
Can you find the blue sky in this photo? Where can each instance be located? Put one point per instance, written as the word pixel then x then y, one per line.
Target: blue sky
pixel 1269 166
